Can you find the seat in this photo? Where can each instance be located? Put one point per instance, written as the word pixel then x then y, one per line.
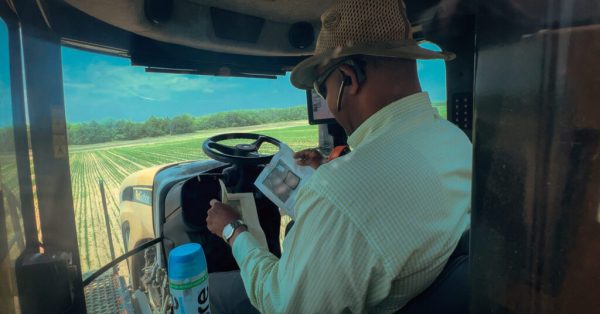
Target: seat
pixel 449 293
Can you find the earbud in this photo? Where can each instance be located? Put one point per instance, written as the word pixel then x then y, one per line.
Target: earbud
pixel 347 79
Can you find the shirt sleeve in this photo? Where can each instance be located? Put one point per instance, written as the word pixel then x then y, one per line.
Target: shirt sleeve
pixel 327 266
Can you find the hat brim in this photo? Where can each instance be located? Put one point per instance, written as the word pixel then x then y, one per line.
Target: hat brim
pixel 305 73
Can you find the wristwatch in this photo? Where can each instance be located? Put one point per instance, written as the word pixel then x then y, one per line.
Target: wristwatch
pixel 229 229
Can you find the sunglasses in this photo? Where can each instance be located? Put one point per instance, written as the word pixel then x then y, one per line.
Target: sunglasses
pixel 319 84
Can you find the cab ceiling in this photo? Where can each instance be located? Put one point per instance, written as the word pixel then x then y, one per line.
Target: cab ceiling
pixel 190 22
pixel 275 10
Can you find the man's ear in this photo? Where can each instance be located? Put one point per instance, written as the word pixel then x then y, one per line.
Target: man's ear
pixel 350 79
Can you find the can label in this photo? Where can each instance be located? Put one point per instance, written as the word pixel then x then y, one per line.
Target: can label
pixel 191 296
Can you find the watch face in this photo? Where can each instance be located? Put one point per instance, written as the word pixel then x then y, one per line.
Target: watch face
pixel 228 231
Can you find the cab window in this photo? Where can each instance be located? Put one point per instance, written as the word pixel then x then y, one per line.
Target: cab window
pixel 12 238
pixel 432 74
pixel 122 121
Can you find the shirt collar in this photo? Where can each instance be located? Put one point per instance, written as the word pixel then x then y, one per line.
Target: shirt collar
pixel 402 109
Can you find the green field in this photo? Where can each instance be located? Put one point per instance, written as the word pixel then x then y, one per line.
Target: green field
pixel 113 162
pixel 441 108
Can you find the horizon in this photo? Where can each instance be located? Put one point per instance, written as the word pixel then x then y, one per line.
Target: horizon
pixel 98 87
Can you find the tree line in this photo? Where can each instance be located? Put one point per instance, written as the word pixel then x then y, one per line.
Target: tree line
pixel 117 130
pixel 7 142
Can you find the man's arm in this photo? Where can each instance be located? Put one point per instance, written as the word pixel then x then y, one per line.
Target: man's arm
pixel 327 266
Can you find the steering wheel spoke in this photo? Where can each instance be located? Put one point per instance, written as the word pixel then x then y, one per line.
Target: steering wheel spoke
pixel 261 140
pixel 222 148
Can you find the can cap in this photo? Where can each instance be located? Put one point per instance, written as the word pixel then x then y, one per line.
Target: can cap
pixel 186 261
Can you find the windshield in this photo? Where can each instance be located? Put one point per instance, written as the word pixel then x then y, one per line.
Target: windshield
pixel 122 119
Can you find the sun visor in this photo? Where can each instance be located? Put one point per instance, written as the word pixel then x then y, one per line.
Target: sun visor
pixel 162 57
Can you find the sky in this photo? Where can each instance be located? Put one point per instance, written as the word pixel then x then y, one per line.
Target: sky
pixel 5 95
pixel 99 87
pixel 432 74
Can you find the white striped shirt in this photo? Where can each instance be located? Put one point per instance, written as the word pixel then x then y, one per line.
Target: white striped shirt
pixel 373 228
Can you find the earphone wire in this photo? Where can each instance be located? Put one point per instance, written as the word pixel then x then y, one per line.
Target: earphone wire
pixel 339 99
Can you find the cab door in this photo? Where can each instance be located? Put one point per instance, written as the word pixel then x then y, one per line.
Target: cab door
pixel 39 261
pixel 536 202
pixel 12 188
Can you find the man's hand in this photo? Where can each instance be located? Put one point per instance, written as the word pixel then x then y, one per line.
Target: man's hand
pixel 219 216
pixel 309 157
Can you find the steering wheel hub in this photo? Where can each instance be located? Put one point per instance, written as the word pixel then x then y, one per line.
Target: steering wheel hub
pixel 246 147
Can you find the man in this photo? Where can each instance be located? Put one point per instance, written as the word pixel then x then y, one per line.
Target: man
pixel 375 227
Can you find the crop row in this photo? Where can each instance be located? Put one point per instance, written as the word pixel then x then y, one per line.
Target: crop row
pixel 113 165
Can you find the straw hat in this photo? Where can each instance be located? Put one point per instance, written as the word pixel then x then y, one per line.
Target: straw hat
pixel 362 27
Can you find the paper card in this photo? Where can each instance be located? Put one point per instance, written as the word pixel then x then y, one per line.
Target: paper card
pixel 245 205
pixel 282 178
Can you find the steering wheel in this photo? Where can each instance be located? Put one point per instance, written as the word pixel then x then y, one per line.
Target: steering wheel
pixel 240 154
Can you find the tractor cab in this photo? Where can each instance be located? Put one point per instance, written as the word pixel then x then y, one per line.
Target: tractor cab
pixel 121 119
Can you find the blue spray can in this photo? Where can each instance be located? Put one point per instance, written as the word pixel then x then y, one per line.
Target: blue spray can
pixel 188 279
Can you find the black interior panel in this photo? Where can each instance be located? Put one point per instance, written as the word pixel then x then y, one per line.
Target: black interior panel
pixel 188 223
pixel 236 26
pixel 462 111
